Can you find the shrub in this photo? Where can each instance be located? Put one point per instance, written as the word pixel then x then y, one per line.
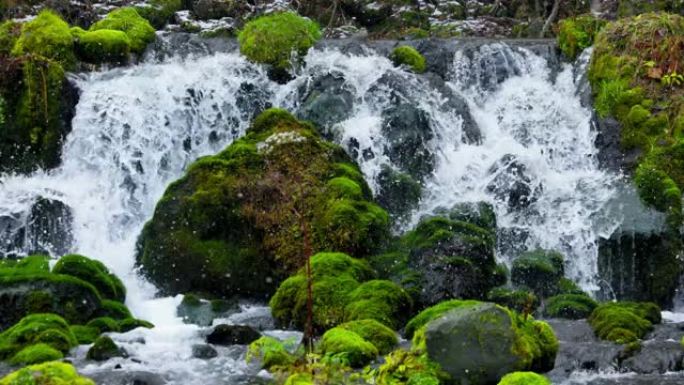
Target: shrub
pixel 271 39
pixel 127 20
pixel 576 34
pixel 409 57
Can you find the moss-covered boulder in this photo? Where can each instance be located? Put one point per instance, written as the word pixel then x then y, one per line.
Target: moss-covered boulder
pixel 270 352
pixel 159 12
pixel 524 378
pixel 47 329
pixel 342 292
pixel 569 306
pixel 410 57
pixel 139 31
pixel 104 349
pixel 539 270
pixel 343 346
pixel 634 76
pixel 47 36
pixel 36 354
pixel 271 39
pixel 94 272
pixel 383 338
pixel 520 300
pixel 481 342
pixel 239 221
pixel 103 46
pixel 50 373
pixel 624 322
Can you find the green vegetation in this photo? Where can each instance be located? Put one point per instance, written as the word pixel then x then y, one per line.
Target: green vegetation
pixel 50 373
pixel 159 12
pixel 104 45
pixel 250 211
pixel 380 300
pixel 94 272
pixel 127 20
pixel 540 270
pixel 271 352
pixel 36 354
pixel 271 39
pixel 47 36
pixel 624 322
pixel 103 349
pixel 578 33
pixel 85 334
pixel 48 329
pixel 570 306
pixel 631 69
pixel 104 324
pixel 383 338
pixel 409 57
pixel 523 301
pixel 524 378
pixel 344 346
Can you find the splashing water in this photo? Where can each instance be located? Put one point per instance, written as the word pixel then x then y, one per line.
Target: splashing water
pixel 137 129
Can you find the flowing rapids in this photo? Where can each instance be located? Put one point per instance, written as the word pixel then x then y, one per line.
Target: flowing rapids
pixel 136 129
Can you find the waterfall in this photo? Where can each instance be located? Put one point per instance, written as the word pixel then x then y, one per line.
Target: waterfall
pixel 504 126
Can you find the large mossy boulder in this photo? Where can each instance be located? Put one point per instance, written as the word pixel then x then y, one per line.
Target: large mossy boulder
pixel 343 290
pixel 28 340
pixel 478 343
pixel 238 222
pixel 50 373
pixel 624 322
pixel 139 31
pixel 94 272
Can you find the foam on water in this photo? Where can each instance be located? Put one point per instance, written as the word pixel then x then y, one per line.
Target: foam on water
pixel 136 130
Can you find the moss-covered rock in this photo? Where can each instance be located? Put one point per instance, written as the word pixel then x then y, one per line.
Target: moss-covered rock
pixel 624 322
pixel 236 223
pixel 410 367
pixel 410 57
pixel 271 39
pixel 570 306
pixel 104 45
pixel 383 338
pixel 631 72
pixel 133 323
pixel 338 294
pixel 481 342
pixel 104 324
pixel 540 270
pixel 578 33
pixel 139 31
pixel 434 312
pixel 270 352
pixel 344 346
pixel 36 354
pixel 48 329
pixel 50 373
pixel 520 300
pixel 47 36
pixel 524 378
pixel 85 334
pixel 104 349
pixel 159 12
pixel 94 272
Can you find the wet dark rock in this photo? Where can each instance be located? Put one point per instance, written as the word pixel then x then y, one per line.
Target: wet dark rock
pixel 398 193
pixel 203 313
pixel 656 357
pixel 611 155
pixel 326 100
pixel 233 335
pixel 77 13
pixel 126 377
pixel 512 184
pixel 217 9
pixel 104 349
pixel 203 352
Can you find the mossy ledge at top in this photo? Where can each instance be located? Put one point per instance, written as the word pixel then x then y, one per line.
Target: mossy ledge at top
pixel 235 224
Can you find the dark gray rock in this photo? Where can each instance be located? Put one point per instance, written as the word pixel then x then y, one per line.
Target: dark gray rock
pixel 203 352
pixel 656 357
pixel 326 100
pixel 512 184
pixel 233 335
pixel 126 377
pixel 104 349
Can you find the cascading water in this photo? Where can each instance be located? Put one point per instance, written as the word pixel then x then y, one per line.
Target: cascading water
pixel 504 128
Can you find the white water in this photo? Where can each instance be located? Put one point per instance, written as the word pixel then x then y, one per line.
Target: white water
pixel 136 130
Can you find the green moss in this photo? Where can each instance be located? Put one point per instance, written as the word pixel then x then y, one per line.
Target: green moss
pixel 271 352
pixel 93 272
pixel 410 57
pixel 104 324
pixel 33 264
pixel 381 300
pixel 104 45
pixel 409 367
pixel 382 337
pixel 524 378
pixel 131 323
pixel 432 313
pixel 346 347
pixel 9 33
pixel 85 334
pixel 658 190
pixel 342 187
pixel 570 306
pixel 518 300
pixel 48 329
pixel 103 349
pixel 36 354
pixel 50 373
pixel 271 39
pixel 48 36
pixel 624 322
pixel 160 12
pixel 578 33
pixel 300 379
pixel 115 310
pixel 540 270
pixel 127 20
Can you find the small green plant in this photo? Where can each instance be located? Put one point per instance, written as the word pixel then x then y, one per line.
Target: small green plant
pixel 275 39
pixel 672 79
